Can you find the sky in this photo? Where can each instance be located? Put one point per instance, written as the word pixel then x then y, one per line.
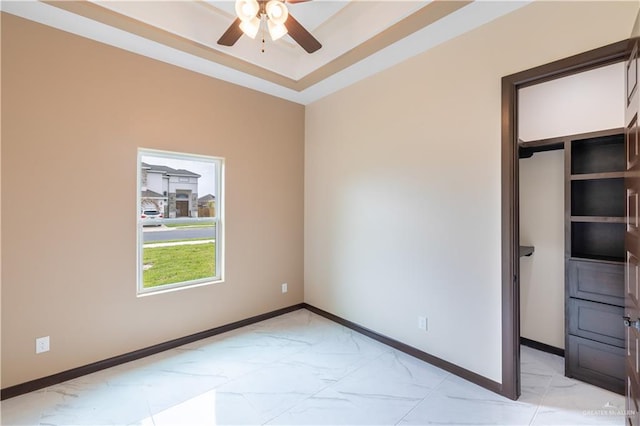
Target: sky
pixel 206 183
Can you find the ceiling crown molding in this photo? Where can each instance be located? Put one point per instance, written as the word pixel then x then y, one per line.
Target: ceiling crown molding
pixel 299 77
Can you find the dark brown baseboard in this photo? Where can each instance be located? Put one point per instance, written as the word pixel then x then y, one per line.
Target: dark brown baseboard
pixel 541 346
pixel 54 379
pixel 410 350
pixel 63 376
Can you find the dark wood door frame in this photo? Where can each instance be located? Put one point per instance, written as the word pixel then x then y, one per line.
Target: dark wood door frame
pixel 510 194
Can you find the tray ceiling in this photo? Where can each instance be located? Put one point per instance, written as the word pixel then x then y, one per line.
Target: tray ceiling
pixel 359 37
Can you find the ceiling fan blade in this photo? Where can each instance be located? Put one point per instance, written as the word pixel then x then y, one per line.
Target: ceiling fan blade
pixel 301 35
pixel 232 34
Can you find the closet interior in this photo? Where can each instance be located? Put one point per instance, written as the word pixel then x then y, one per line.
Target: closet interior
pixel 572 215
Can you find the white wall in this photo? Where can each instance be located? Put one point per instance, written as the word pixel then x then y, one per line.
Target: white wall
pixel 542 226
pixel 585 102
pixel 402 182
pixel 176 185
pixel 154 182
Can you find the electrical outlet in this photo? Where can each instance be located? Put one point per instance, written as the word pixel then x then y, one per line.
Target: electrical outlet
pixel 284 287
pixel 422 323
pixel 42 344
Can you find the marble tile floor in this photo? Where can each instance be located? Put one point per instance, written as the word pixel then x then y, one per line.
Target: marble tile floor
pixel 302 369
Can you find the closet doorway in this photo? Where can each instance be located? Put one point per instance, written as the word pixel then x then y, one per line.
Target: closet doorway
pixel 510 194
pixel 572 216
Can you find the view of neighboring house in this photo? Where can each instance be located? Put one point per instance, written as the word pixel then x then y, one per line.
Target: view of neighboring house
pixel 173 192
pixel 207 206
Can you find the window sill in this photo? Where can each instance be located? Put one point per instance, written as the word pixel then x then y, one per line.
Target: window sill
pixel 170 288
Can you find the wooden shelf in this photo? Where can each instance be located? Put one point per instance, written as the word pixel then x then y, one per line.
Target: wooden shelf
pixel 593 176
pixel 604 154
pixel 598 219
pixel 597 240
pixel 596 258
pixel 598 197
pixel 607 260
pixel 577 136
pixel 595 225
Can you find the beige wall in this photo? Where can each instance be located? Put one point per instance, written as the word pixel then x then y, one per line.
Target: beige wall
pixel 0 206
pixel 542 226
pixel 402 182
pixel 74 113
pixel 584 102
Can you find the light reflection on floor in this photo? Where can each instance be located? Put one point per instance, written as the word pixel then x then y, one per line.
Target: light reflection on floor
pixel 300 368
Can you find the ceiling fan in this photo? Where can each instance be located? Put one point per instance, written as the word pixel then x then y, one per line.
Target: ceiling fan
pixel 251 14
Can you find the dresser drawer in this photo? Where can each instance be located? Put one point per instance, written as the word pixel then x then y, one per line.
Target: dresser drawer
pixel 597 281
pixel 597 363
pixel 596 321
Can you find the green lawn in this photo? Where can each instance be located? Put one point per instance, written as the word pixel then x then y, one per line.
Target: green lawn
pixel 180 263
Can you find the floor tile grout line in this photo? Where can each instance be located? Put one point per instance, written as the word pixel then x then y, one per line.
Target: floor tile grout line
pixel 535 413
pixel 256 330
pixel 370 361
pixel 431 392
pixel 367 358
pixel 303 349
pixel 151 414
pixel 327 386
pixel 544 395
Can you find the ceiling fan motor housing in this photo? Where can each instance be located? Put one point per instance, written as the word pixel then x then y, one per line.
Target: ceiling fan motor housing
pixel 279 23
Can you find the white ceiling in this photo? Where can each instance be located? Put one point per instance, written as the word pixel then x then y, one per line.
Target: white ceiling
pixel 359 37
pixel 331 21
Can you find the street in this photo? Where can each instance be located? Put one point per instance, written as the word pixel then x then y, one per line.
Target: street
pixel 154 234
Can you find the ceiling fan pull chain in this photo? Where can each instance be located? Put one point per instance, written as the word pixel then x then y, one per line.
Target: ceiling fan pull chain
pixel 263 39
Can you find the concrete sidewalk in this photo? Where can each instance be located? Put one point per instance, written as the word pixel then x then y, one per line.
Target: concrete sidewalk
pixel 177 243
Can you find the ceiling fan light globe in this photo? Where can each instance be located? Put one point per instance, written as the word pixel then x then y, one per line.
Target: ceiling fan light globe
pixel 277 12
pixel 247 9
pixel 276 31
pixel 250 27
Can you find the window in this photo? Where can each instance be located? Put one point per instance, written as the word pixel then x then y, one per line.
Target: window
pixel 180 207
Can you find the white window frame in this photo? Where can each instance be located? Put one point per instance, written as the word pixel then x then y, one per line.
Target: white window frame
pixel 218 220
